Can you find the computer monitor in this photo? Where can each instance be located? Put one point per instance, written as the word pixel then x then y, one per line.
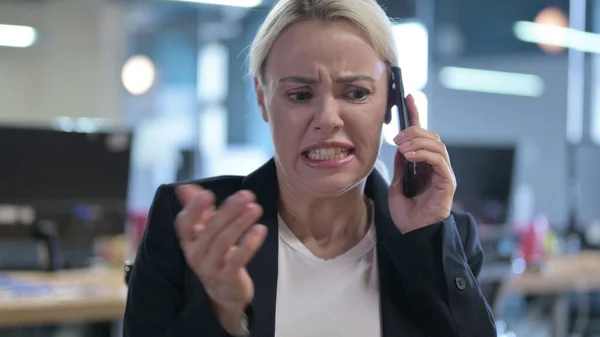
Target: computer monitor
pixel 484 175
pixel 78 180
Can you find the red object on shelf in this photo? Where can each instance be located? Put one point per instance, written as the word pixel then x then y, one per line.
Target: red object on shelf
pixel 137 225
pixel 531 247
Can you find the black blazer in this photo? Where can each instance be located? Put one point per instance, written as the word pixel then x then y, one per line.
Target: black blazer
pixel 428 283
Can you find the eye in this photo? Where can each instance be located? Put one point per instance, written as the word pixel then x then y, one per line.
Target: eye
pixel 358 94
pixel 299 96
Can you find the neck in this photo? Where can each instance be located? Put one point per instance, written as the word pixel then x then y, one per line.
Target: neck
pixel 342 218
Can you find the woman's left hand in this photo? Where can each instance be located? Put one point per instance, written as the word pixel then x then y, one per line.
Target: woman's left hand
pixel 433 203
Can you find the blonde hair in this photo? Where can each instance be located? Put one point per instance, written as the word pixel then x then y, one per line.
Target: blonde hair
pixel 366 14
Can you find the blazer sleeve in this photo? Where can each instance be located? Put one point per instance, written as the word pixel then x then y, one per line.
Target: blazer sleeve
pixel 155 301
pixel 439 271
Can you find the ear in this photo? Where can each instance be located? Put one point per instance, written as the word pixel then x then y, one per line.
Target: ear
pixel 260 99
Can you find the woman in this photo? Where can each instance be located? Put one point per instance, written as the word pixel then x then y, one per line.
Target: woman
pixel 315 243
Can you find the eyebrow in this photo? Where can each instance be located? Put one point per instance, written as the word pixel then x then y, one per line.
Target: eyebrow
pixel 310 80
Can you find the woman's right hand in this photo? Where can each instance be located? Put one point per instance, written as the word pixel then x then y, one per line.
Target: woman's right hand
pixel 218 244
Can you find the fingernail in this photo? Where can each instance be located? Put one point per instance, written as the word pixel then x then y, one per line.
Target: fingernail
pixel 257 230
pixel 250 208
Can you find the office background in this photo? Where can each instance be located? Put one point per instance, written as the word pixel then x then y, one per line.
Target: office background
pixel 101 101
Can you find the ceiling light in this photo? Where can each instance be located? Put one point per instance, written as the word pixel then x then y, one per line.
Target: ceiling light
pixel 17 36
pixel 556 17
pixel 489 81
pixel 138 74
pixel 552 35
pixel 233 3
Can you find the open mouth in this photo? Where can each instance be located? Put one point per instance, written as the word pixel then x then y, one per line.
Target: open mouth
pixel 331 153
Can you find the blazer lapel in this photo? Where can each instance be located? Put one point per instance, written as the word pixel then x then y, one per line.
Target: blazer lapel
pixel 394 322
pixel 263 267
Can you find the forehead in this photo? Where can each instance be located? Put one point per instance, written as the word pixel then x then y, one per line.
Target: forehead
pixel 313 47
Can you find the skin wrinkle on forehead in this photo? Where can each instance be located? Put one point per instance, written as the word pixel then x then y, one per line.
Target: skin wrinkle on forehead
pixel 300 55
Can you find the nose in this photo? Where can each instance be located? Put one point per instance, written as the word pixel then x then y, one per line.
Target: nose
pixel 328 119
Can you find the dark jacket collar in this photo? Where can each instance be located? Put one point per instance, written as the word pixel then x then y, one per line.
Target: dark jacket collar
pixel 263 182
pixel 263 267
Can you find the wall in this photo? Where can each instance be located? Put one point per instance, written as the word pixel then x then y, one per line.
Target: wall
pixel 536 125
pixel 72 70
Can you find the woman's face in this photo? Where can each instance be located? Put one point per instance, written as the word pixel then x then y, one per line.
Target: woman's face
pixel 324 96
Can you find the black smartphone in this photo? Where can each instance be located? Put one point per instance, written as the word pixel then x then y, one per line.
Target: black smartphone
pixel 410 180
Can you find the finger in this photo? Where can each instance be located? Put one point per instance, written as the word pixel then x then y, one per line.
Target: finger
pixel 232 233
pixel 247 248
pixel 435 160
pixel 193 252
pixel 196 212
pixel 426 144
pixel 398 168
pixel 204 218
pixel 233 207
pixel 198 203
pixel 415 132
pixel 186 193
pixel 413 111
pixel 229 253
pixel 201 224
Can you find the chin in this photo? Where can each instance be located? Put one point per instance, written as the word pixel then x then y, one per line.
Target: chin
pixel 331 185
pixel 324 182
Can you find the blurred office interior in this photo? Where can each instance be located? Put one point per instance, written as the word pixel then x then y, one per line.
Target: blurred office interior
pixel 101 101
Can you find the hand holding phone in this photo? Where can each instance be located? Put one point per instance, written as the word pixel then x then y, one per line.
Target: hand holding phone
pixel 423 185
pixel 415 176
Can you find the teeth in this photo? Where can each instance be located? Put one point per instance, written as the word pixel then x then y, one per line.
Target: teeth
pixel 328 154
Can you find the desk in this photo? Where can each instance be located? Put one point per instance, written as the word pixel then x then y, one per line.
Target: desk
pixel 560 276
pixel 66 296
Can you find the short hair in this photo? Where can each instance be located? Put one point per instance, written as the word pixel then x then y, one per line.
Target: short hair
pixel 366 14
